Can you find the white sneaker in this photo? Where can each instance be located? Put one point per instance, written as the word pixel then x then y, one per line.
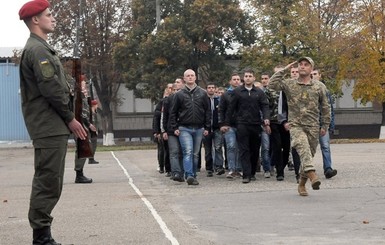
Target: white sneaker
pixel 267 174
pixel 230 175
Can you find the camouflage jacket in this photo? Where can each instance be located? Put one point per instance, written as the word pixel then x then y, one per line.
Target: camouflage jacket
pixel 273 97
pixel 306 102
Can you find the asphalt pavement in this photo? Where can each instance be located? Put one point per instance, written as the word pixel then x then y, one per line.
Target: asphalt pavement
pixel 129 202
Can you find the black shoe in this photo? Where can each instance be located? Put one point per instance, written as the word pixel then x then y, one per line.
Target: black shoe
pixel 220 171
pixel 246 180
pixel 209 173
pixel 280 178
pixel 83 180
pixel 192 181
pixel 178 178
pixel 92 161
pixel 43 237
pixel 45 241
pixel 290 166
pixel 330 173
pixel 168 174
pixel 253 178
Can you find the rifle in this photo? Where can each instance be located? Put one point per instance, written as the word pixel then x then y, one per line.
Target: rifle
pixel 83 147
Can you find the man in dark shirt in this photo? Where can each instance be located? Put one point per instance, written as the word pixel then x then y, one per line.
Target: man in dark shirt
pixel 248 102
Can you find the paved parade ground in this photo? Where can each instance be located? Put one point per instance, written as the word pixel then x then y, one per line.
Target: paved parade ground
pixel 129 202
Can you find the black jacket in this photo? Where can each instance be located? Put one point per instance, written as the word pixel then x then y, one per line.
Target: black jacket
pixel 215 114
pixel 167 105
pixel 190 108
pixel 156 129
pixel 224 104
pixel 247 106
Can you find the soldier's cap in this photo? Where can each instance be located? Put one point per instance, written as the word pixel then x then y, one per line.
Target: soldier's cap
pixel 33 8
pixel 308 59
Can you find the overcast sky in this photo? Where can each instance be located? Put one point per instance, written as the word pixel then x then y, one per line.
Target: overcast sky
pixel 13 31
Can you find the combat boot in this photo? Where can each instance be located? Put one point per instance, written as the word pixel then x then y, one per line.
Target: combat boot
pixel 315 182
pixel 81 179
pixel 43 237
pixel 301 186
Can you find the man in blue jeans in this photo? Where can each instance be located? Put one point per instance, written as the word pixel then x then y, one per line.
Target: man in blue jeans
pixel 325 140
pixel 214 140
pixel 190 119
pixel 175 151
pixel 229 132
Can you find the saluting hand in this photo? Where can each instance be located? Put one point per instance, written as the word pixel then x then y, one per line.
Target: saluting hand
pixel 291 65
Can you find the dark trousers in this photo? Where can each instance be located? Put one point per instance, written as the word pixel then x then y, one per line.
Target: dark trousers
pixel 94 144
pixel 208 145
pixel 280 147
pixel 249 142
pixel 47 182
pixel 163 155
pixel 296 160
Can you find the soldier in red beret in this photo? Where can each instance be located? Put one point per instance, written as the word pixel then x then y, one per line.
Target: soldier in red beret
pixel 45 101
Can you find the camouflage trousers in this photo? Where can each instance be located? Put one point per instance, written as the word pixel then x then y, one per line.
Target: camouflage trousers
pixel 305 141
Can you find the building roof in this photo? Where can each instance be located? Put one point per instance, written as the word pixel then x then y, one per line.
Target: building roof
pixel 8 52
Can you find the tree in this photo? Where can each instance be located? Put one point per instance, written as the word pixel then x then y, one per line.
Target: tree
pixel 104 23
pixel 364 59
pixel 193 34
pixel 290 29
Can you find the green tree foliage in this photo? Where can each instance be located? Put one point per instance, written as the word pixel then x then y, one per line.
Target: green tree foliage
pixel 290 29
pixel 103 23
pixel 193 34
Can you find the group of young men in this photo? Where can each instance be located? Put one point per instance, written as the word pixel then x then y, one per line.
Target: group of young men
pixel 279 117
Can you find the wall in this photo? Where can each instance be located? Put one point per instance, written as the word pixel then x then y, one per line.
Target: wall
pixel 12 125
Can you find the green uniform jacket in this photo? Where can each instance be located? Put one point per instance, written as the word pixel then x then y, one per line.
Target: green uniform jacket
pixel 306 102
pixel 45 93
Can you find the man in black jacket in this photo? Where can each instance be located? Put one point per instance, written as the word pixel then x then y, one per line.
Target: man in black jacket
pixel 190 120
pixel 214 138
pixel 248 102
pixel 175 151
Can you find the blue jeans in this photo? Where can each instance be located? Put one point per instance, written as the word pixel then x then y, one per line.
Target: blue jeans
pixel 324 142
pixel 215 139
pixel 176 161
pixel 265 151
pixel 190 139
pixel 232 150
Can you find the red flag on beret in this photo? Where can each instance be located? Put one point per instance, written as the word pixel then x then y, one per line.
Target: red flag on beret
pixel 33 8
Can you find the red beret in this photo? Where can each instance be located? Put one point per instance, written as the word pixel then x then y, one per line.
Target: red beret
pixel 33 8
pixel 94 102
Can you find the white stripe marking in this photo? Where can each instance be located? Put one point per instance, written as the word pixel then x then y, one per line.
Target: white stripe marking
pixel 153 211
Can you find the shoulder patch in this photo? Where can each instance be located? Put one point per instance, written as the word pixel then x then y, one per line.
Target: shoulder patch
pixel 47 68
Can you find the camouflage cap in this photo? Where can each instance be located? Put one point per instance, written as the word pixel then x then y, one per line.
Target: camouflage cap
pixel 308 59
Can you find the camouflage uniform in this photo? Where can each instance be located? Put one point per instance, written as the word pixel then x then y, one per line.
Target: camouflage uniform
pixel 304 102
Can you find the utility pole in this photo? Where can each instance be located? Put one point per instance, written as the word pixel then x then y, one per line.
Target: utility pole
pixel 157 3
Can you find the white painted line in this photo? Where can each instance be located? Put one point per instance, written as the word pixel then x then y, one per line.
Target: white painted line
pixel 153 211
